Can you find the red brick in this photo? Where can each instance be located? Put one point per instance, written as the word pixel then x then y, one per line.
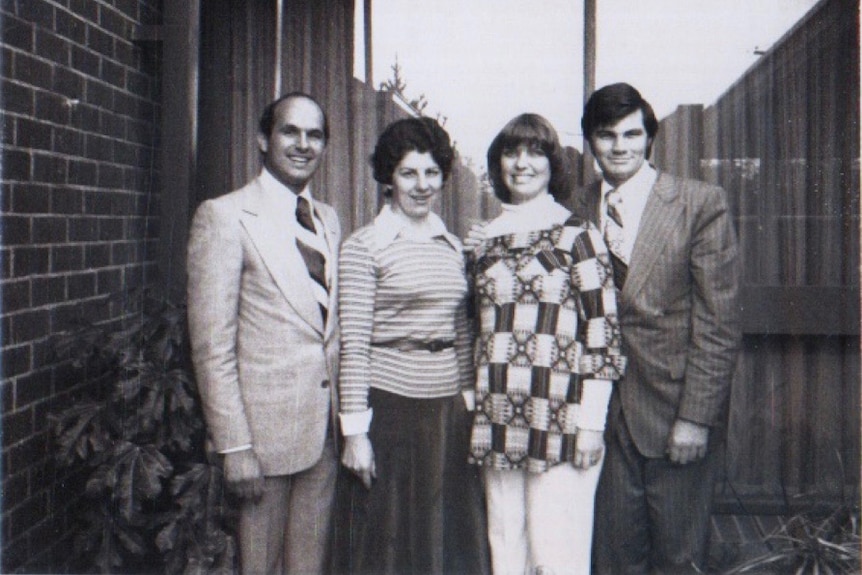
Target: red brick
pixel 37 11
pixel 18 33
pixel 86 9
pixel 31 199
pixel 81 286
pixel 111 229
pixel 100 41
pixel 52 47
pixel 15 230
pixel 71 27
pixel 52 107
pixel 17 426
pixel 15 490
pixel 110 176
pixel 85 61
pixel 49 230
pixel 33 134
pixel 99 148
pixel 16 295
pixel 16 165
pixel 97 256
pixel 30 326
pixel 69 142
pixel 29 70
pixel 29 513
pixel 48 290
pixel 17 99
pixel 67 258
pixel 99 94
pixel 50 169
pixel 83 229
pixel 113 74
pixel 29 261
pixel 67 201
pixel 82 173
pixel 68 83
pixel 33 387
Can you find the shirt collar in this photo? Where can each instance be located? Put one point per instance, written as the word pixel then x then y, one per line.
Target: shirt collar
pixel 276 189
pixel 390 225
pixel 638 185
pixel 538 213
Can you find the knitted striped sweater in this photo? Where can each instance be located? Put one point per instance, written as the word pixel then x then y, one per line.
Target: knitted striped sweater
pixel 407 289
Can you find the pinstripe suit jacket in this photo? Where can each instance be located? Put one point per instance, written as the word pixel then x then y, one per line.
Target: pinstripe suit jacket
pixel 266 364
pixel 678 310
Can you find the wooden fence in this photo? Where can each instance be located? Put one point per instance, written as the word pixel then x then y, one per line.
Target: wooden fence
pixel 784 142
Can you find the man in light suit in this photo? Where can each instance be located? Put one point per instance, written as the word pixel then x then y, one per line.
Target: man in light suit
pixel 674 256
pixel 264 334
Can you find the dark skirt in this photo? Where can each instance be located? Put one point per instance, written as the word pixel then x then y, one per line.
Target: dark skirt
pixel 424 513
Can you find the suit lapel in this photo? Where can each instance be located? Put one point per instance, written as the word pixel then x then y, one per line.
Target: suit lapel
pixel 587 203
pixel 660 219
pixel 330 229
pixel 275 241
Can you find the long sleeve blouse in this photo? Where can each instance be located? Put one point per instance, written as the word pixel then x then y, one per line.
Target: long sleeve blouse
pixel 394 286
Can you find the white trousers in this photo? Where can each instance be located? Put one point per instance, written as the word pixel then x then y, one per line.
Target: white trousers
pixel 541 522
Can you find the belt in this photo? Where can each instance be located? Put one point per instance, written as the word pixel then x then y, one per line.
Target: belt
pixel 405 344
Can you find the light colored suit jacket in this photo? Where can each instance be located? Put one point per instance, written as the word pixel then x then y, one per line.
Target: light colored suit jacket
pixel 678 310
pixel 266 365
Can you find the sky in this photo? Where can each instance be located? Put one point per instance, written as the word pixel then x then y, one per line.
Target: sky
pixel 481 62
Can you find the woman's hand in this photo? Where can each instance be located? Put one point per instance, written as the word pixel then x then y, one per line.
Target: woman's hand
pixel 475 236
pixel 358 457
pixel 589 446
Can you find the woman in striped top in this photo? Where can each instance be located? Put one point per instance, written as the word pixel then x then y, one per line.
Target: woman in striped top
pixel 405 359
pixel 547 355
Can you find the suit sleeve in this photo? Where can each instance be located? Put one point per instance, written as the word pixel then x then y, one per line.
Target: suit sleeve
pixel 215 260
pixel 715 331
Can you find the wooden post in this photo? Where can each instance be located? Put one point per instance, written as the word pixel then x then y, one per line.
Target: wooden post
pixel 369 67
pixel 589 80
pixel 181 45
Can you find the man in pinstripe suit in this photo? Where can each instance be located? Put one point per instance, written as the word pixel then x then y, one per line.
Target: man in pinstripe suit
pixel 674 254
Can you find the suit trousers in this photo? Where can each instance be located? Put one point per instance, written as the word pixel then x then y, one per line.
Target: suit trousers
pixel 541 522
pixel 289 529
pixel 652 515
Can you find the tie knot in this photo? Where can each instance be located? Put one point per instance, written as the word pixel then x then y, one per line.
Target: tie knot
pixel 614 200
pixel 303 214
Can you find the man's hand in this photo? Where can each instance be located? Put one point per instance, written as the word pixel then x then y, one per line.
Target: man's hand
pixel 687 441
pixel 358 457
pixel 243 474
pixel 589 446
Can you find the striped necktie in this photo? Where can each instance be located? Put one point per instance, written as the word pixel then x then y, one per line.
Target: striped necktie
pixel 310 245
pixel 614 235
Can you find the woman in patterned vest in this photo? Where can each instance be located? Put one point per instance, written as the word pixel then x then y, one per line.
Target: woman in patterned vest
pixel 547 355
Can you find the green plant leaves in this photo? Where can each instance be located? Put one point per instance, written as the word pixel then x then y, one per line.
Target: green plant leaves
pixel 157 503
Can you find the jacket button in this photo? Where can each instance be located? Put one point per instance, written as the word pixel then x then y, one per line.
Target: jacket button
pixel 324 383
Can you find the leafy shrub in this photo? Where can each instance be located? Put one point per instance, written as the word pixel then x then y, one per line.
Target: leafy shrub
pixel 157 501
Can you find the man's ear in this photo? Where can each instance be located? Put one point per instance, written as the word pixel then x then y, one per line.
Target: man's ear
pixel 262 143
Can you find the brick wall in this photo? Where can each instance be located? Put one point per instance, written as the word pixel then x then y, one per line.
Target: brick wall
pixel 79 222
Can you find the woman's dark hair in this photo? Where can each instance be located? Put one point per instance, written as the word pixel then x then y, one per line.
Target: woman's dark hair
pixel 411 135
pixel 536 132
pixel 614 102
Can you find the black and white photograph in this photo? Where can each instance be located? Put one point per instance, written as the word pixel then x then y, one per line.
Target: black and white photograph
pixel 459 287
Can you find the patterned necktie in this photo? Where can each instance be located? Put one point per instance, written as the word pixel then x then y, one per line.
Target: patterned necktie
pixel 315 261
pixel 615 237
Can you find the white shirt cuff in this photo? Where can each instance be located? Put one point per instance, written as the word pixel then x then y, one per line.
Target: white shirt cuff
pixel 356 422
pixel 469 396
pixel 235 449
pixel 593 411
